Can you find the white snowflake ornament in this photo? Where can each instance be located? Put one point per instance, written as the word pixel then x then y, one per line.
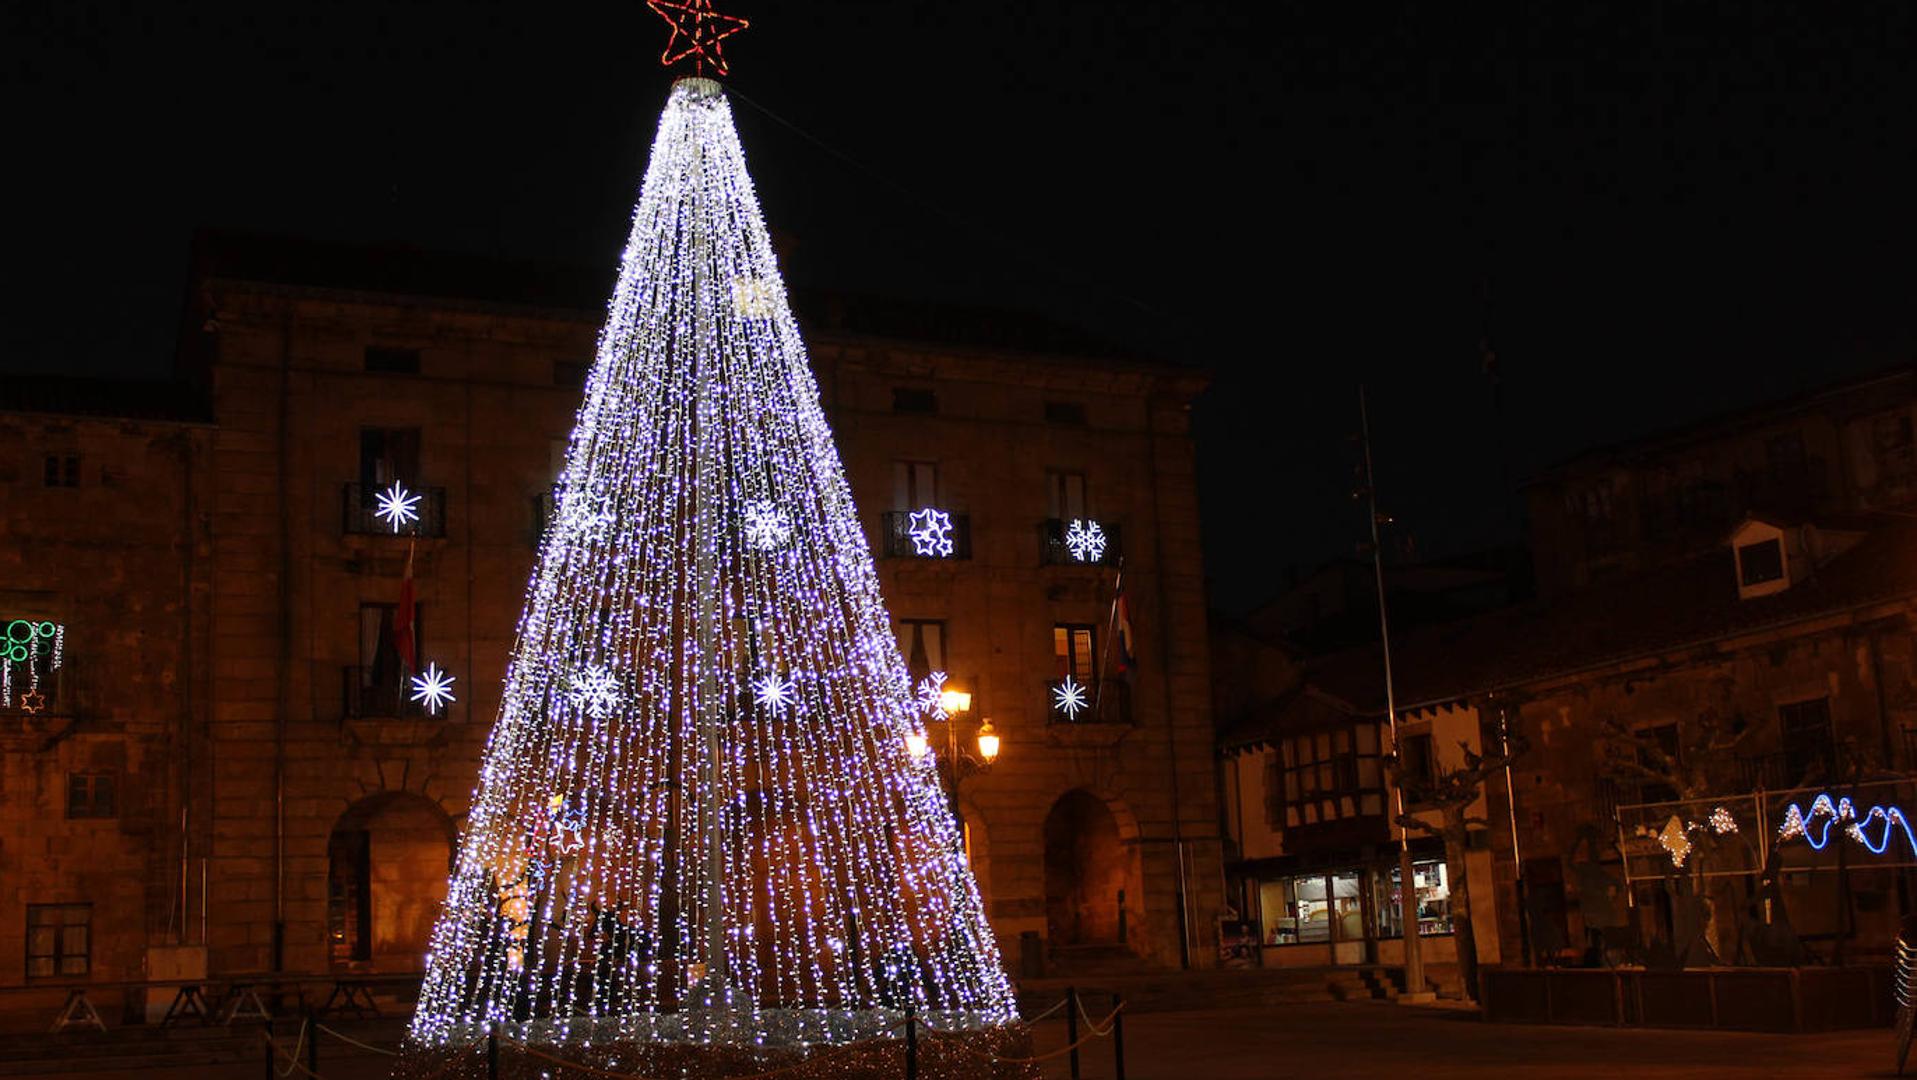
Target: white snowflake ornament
pixel 774 694
pixel 595 690
pixel 766 528
pixel 1069 698
pixel 1085 540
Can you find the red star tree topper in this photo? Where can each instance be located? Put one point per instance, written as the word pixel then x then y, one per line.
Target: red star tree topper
pixel 697 31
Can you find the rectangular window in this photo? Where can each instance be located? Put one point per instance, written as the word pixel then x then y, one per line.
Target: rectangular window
pixel 387 455
pixel 914 399
pixel 915 485
pixel 570 374
pixel 1069 413
pixel 1065 495
pixel 1072 646
pixel 1653 743
pixel 1760 562
pixel 1419 763
pixel 392 361
pixel 59 940
pixel 381 673
pixel 1333 774
pixel 1808 743
pixel 62 470
pixel 90 795
pixel 922 643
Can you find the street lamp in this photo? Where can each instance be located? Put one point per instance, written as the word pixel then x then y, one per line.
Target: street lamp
pixel 955 762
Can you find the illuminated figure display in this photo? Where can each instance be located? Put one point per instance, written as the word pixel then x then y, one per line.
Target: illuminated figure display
pixel 697 822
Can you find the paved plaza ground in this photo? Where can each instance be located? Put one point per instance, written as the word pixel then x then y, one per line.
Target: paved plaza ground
pixel 1355 1039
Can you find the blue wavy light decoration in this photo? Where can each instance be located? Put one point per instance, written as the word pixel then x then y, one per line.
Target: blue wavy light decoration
pixel 1825 812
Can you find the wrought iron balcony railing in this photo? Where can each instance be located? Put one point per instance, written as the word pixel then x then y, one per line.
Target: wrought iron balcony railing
pixel 376 694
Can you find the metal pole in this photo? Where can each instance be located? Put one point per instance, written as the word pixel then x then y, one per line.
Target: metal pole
pixel 492 1053
pixel 266 1061
pixel 1407 882
pixel 1118 1037
pixel 911 1043
pixel 1071 1026
pixel 312 1041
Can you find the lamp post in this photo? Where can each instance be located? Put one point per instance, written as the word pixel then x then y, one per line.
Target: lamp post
pixel 955 763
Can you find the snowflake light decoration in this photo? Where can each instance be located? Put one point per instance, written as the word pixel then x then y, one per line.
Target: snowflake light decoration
pixel 433 688
pixel 1085 540
pixel 595 690
pixel 931 532
pixel 396 506
pixel 931 695
pixel 766 528
pixel 774 694
pixel 1069 698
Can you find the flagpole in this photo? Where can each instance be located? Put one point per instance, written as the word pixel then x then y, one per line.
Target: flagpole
pixel 1111 630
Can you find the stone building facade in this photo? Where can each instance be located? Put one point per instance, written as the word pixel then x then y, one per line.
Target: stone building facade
pixel 321 807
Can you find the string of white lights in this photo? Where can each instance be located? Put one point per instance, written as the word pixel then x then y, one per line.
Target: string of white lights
pixel 696 816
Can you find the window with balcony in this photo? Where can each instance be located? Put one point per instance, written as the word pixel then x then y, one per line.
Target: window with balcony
pixel 918 526
pixel 1065 495
pixel 377 686
pixel 59 940
pixel 389 456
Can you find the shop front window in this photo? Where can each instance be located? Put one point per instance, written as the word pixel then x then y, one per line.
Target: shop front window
pixel 1313 909
pixel 1434 900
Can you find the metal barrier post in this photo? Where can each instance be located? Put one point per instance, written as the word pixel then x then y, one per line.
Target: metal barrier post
pixel 1118 1037
pixel 267 1070
pixel 1071 1026
pixel 311 1027
pixel 911 1043
pixel 492 1053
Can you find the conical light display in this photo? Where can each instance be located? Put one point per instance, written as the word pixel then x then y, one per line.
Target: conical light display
pixel 696 819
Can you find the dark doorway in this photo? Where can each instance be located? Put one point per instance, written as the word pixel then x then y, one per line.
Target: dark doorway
pixel 1084 871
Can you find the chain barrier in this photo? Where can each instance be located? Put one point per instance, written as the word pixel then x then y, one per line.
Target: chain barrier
pixel 350 1041
pixel 810 1060
pixel 1096 1029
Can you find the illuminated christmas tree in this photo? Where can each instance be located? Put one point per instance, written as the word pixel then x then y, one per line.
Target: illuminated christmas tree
pixel 697 824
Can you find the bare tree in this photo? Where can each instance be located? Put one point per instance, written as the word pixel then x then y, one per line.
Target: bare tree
pixel 1451 792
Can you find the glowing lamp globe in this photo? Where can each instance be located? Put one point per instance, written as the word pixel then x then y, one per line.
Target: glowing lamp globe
pixel 955 701
pixel 915 742
pixel 987 742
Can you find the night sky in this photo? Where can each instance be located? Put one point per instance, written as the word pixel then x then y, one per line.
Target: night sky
pixel 1658 210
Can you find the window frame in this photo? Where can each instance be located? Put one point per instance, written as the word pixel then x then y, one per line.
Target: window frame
pixel 1058 495
pixel 1069 658
pixel 1745 567
pixel 93 780
pixel 60 954
pixel 907 475
pixel 916 629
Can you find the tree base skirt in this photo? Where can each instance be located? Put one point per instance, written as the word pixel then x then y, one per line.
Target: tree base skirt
pixel 957 1055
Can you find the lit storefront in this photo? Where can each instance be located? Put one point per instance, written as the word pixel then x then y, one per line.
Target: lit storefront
pixel 1319 883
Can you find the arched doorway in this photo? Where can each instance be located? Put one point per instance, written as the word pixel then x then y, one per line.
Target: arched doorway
pixel 1085 870
pixel 388 861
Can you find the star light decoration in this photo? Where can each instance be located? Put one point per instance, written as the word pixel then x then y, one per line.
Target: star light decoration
pixel 766 528
pixel 931 533
pixel 1085 540
pixel 697 32
pixel 1069 698
pixel 433 688
pixel 396 506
